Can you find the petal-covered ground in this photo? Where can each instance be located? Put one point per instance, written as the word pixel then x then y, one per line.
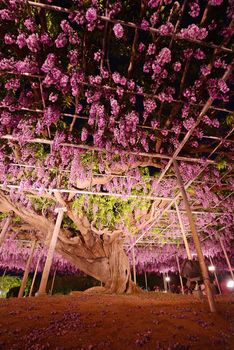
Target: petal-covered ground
pixel 90 322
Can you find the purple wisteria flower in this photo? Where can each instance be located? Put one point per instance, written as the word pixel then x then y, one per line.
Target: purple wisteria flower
pixel 194 32
pixel 46 39
pixel 177 66
pixel 215 2
pixel 199 54
pixel 53 97
pixel 91 15
pixel 9 40
pixel 166 29
pixel 33 42
pixel 194 10
pixel 30 24
pixel 154 19
pixel 164 56
pixel 145 25
pixel 21 40
pixel 205 70
pixel 118 30
pixel 49 63
pixel 12 84
pixel 153 3
pixel 84 135
pixel 61 40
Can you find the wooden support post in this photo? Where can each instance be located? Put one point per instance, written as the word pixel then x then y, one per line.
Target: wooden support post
pixel 189 255
pixel 181 280
pixel 27 269
pixel 49 259
pixel 4 229
pixel 226 257
pixel 52 283
pixel 216 278
pixel 34 276
pixel 146 284
pixel 196 240
pixel 134 264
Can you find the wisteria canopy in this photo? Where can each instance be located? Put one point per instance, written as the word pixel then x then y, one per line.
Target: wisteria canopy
pixel 98 98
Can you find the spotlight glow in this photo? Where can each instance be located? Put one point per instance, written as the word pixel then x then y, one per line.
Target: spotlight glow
pixel 167 279
pixel 211 268
pixel 230 284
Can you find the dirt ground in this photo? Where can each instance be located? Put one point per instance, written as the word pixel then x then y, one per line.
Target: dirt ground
pixel 97 322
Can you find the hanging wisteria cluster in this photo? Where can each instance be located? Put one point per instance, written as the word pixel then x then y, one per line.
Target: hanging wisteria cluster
pixel 14 255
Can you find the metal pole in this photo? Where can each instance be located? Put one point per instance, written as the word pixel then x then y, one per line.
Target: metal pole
pixel 146 284
pixel 189 255
pixel 134 265
pixel 49 259
pixel 226 257
pixel 181 281
pixel 4 229
pixel 196 240
pixel 26 272
pixel 216 278
pixel 52 284
pixel 34 276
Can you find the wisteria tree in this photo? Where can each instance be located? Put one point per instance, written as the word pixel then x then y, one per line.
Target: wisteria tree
pixel 96 98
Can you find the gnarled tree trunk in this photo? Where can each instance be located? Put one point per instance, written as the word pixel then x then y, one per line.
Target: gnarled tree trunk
pixel 99 255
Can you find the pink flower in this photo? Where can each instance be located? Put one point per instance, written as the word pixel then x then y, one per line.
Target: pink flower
pixel 164 56
pixel 118 30
pixel 91 15
pixel 53 97
pixel 61 40
pixel 205 70
pixel 116 77
pixel 151 49
pixel 46 39
pixel 30 24
pixel 97 56
pixel 194 32
pixel 215 2
pixel 223 86
pixel 199 54
pixel 144 25
pixel 194 9
pixel 188 123
pixel 141 47
pixel 84 135
pixel 9 40
pixel 21 40
pixel 154 19
pixel 177 66
pixel 166 29
pixel 33 42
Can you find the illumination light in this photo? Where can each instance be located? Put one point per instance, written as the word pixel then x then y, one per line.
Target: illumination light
pixel 230 284
pixel 211 268
pixel 167 279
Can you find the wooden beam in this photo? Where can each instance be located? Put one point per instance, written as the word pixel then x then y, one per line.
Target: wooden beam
pixel 5 228
pixel 196 240
pixel 26 271
pixel 189 255
pixel 50 254
pixel 34 276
